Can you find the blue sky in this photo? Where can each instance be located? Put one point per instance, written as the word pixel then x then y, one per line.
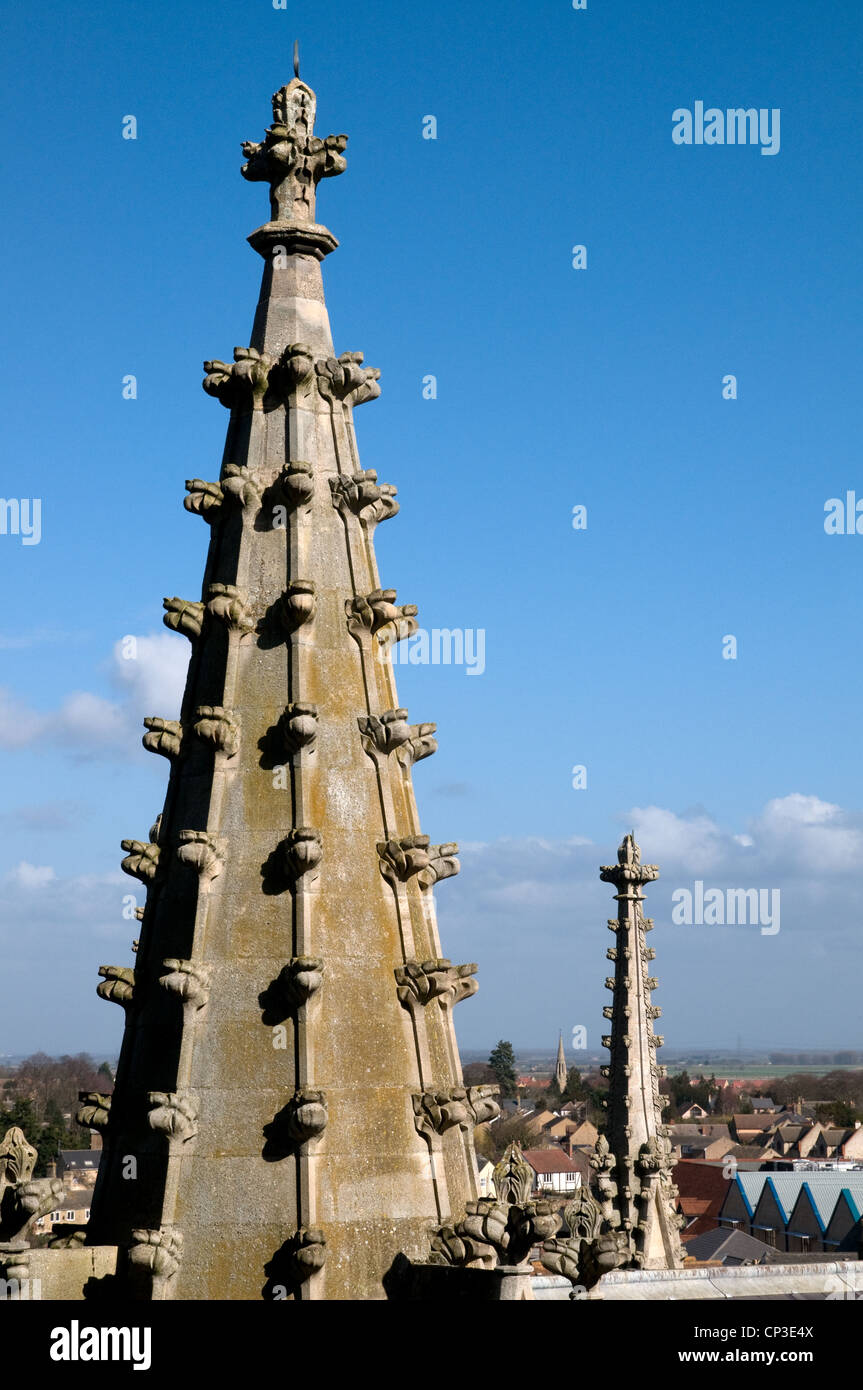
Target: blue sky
pixel 556 387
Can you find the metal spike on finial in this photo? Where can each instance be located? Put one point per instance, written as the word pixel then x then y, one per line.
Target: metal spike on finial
pixel 296 57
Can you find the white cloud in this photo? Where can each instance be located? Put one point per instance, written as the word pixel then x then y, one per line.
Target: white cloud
pixel 19 725
pixel 87 725
pixel 695 842
pixel 29 876
pixel 55 932
pixel 153 679
pixel 532 912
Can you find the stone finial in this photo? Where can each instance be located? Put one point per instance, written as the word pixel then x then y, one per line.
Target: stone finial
pixel 391 733
pixel 290 158
pixel 242 384
pixel 421 744
pixel 25 1203
pixel 513 1177
pixel 218 727
pixel 415 856
pixel 236 486
pixel 309 1252
pixel 298 727
pixel 188 980
pixel 346 379
pixel 587 1252
pixel 378 614
pixel 297 982
pixel 118 984
pixel 94 1110
pixel 297 605
pixel 295 1262
pixel 402 859
pixel 183 616
pixel 296 367
pixel 437 1111
pixel 304 1117
pixel 228 605
pixel 421 982
pixel 442 864
pixel 491 1230
pixel 163 736
pixel 295 485
pixel 15 1264
pixel 204 499
pixel 629 869
pixel 154 1258
pixel 482 1102
pixel 203 852
pixel 239 486
pixel 142 860
pixel 174 1113
pixel 301 851
pixel 17 1159
pixel 362 495
pixel 655 1156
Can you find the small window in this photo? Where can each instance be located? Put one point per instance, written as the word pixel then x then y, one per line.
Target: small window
pixel 70 1216
pixel 55 1216
pixel 87 1214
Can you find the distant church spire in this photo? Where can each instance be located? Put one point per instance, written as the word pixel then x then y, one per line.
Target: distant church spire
pixel 560 1066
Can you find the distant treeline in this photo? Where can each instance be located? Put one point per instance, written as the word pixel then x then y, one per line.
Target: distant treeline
pixel 815 1059
pixel 40 1096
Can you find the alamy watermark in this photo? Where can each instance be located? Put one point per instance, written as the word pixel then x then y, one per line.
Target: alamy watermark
pixel 733 126
pixel 20 1290
pixel 21 516
pixel 720 907
pixel 844 515
pixel 438 646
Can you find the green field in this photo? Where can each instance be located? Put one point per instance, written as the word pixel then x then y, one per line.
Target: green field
pixel 754 1069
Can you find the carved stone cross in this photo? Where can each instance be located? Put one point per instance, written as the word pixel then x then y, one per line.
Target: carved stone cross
pixel 291 158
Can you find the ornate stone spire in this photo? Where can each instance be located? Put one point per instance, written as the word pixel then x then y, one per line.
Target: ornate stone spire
pixel 289 1113
pixel 560 1072
pixel 634 1163
pixel 634 1222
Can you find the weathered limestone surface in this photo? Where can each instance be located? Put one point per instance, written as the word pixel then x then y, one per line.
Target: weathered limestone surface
pixel 277 960
pixel 838 1279
pixel 67 1275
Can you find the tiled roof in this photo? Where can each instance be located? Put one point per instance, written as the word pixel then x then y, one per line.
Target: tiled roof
pixel 550 1161
pixel 74 1201
pixel 702 1191
pixel 80 1158
pixel 729 1247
